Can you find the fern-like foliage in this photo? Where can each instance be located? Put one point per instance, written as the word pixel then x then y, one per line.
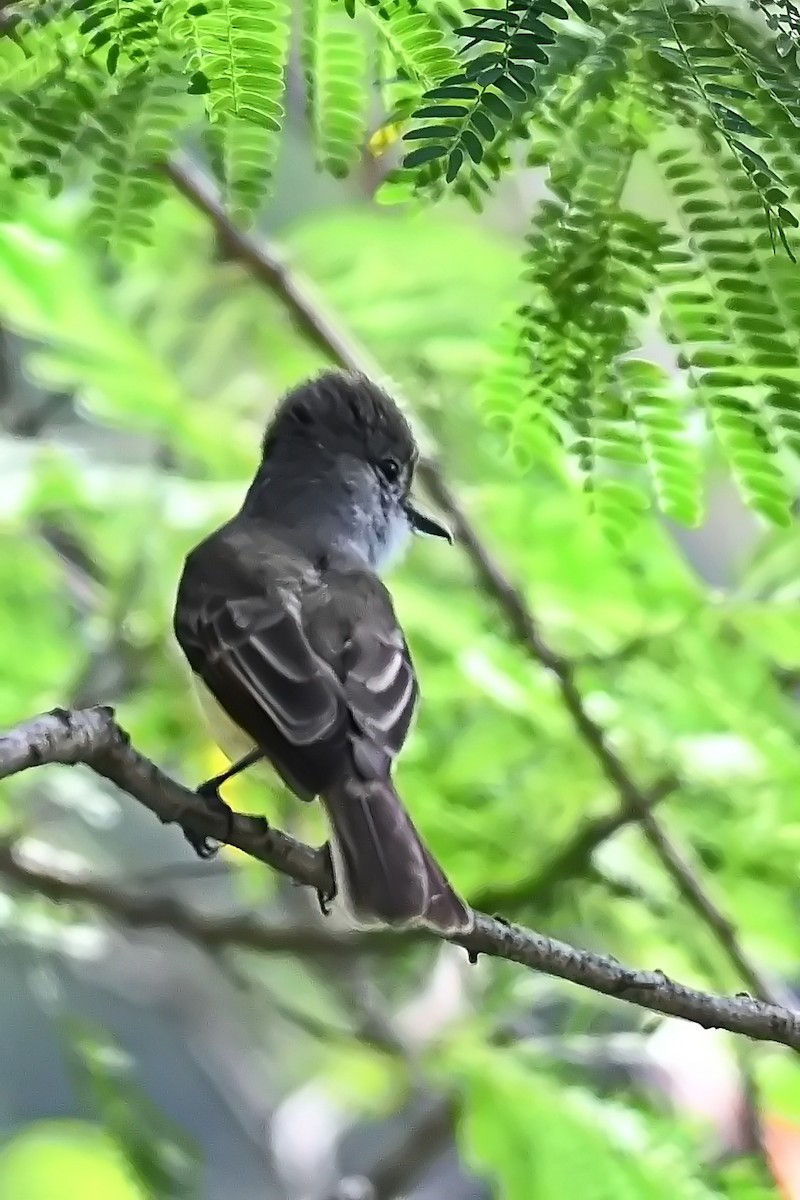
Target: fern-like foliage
pixel 238 51
pixel 335 57
pixel 236 57
pixel 416 35
pixel 466 109
pixel 589 270
pixel 720 305
pixel 119 28
pixel 783 17
pixel 718 108
pixel 709 72
pixel 695 97
pixel 50 121
pixel 136 130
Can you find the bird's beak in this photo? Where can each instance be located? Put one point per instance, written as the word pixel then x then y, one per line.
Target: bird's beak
pixel 421 523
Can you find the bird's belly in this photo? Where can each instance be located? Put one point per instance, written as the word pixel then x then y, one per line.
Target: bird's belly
pixel 232 741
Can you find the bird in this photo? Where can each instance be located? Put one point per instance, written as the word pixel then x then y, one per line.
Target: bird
pixel 295 648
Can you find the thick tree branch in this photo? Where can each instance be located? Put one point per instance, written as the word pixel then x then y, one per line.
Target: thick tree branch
pixel 92 737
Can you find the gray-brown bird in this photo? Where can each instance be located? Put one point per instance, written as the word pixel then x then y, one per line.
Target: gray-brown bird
pixel 295 646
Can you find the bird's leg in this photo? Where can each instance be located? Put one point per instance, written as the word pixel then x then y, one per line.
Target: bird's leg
pixel 211 786
pixel 205 847
pixel 324 899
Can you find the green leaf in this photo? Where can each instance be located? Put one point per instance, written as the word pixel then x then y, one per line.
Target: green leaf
pixel 483 124
pixel 473 145
pixel 65 1160
pixel 452 92
pixel 423 155
pixel 440 110
pixel 497 105
pixel 737 123
pixel 529 1136
pixel 511 89
pixel 454 163
pixel 431 131
pixel 524 46
pixel 581 9
pixel 335 57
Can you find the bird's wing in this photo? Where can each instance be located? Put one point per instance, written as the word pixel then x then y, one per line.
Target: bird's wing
pixel 249 649
pixel 379 682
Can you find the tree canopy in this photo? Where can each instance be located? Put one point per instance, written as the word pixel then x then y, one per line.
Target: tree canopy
pixel 566 232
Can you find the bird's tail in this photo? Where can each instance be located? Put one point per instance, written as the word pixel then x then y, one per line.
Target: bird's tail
pixel 384 873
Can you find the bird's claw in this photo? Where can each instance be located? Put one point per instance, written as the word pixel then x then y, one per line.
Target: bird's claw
pixel 324 898
pixel 205 847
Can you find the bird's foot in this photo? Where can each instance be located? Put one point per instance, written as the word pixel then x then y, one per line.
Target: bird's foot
pixel 325 899
pixel 205 847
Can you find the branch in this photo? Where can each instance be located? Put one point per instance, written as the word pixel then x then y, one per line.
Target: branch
pixel 573 859
pixel 162 912
pixel 306 309
pixel 92 737
pixel 635 804
pixel 426 1137
pixel 690 886
pixel 264 265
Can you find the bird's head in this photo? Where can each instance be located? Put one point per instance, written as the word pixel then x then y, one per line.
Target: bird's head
pixel 343 432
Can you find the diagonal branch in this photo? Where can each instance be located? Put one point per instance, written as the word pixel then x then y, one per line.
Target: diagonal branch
pixel 635 803
pixel 264 265
pixel 92 737
pixel 691 887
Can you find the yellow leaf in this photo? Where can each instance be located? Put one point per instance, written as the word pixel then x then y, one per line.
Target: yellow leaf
pixel 385 137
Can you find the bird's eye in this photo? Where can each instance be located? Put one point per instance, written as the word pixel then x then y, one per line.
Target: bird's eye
pixel 389 469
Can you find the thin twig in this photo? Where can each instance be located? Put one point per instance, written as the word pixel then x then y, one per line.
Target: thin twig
pixel 212 933
pixel 571 861
pixel 269 269
pixel 91 737
pixel 697 896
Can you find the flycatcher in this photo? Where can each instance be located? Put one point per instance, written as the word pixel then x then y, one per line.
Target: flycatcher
pixel 295 647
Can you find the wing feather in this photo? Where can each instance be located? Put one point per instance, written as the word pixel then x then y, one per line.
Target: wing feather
pixel 252 654
pixel 320 686
pixel 380 683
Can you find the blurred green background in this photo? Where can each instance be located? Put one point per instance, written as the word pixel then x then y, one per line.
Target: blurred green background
pixel 138 1064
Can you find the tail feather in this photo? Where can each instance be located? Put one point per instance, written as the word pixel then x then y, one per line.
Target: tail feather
pixel 384 873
